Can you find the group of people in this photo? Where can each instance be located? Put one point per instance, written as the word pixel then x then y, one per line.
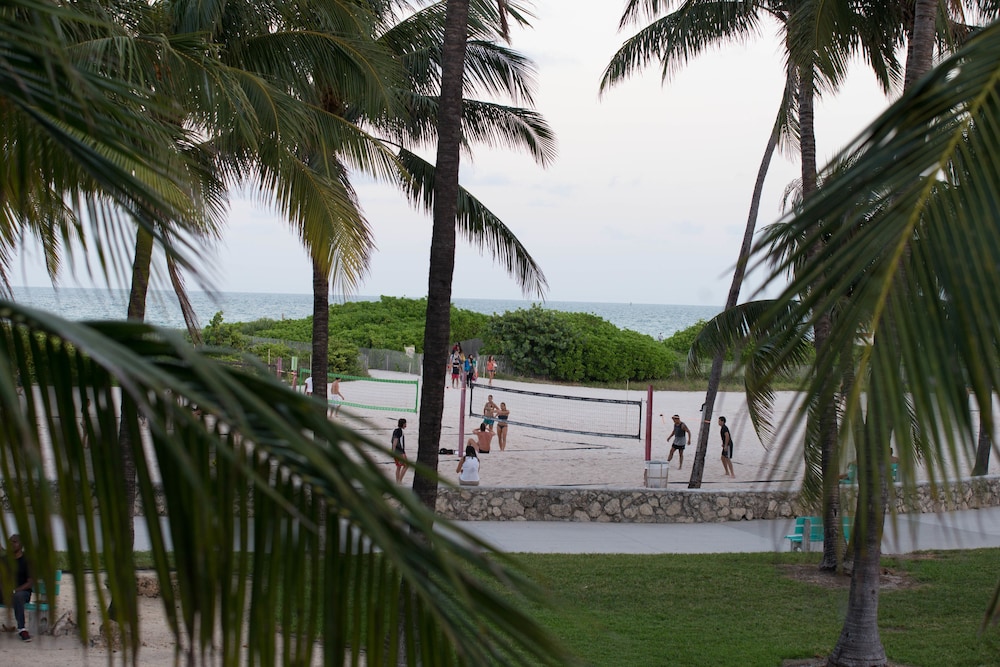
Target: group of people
pixel 680 434
pixel 465 368
pixel 481 442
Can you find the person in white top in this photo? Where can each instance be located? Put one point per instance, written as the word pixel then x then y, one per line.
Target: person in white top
pixel 309 386
pixel 468 468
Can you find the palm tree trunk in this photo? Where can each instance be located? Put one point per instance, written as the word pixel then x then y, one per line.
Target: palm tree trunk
pixel 437 328
pixel 920 48
pixel 715 376
pixel 821 329
pixel 136 311
pixel 320 332
pixel 982 465
pixel 860 643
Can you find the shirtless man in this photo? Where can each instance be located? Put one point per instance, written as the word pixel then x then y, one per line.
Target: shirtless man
pixel 482 440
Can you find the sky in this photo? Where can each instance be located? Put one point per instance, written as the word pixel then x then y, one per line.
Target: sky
pixel 646 201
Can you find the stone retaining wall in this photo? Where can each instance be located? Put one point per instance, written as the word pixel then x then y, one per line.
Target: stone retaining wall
pixel 667 505
pixel 683 506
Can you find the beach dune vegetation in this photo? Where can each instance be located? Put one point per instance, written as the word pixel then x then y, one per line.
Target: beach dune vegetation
pixel 576 347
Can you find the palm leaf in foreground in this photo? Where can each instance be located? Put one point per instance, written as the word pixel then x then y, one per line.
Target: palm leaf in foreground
pixel 914 267
pixel 259 469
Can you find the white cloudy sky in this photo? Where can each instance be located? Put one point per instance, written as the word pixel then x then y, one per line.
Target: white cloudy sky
pixel 645 203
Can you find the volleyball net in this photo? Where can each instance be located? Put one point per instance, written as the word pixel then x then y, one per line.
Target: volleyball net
pixel 584 415
pixel 370 393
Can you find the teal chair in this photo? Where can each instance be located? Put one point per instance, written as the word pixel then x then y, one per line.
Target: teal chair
pixel 795 539
pixel 40 603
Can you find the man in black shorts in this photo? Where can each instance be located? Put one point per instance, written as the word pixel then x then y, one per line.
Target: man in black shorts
pixel 727 448
pixel 680 436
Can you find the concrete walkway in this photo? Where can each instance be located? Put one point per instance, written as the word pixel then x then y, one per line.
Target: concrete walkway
pixel 970 529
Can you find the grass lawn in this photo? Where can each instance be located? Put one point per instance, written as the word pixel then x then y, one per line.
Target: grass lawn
pixel 746 609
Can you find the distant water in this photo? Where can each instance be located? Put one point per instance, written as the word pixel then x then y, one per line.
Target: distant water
pixel 99 304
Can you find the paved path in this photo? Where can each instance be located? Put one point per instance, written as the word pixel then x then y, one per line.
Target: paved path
pixel 971 529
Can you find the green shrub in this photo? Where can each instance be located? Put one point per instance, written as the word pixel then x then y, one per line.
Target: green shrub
pixel 575 347
pixel 681 341
pixel 391 323
pixel 223 334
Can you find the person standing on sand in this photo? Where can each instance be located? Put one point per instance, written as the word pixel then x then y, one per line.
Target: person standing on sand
pixel 467 371
pixel 502 415
pixel 456 363
pixel 491 368
pixel 489 412
pixel 309 386
pixel 335 391
pixel 679 435
pixel 727 448
pixel 399 448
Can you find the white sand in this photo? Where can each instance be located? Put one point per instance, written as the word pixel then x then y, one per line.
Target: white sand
pixel 536 457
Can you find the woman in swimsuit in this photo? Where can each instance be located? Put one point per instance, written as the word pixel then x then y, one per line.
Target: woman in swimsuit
pixel 502 415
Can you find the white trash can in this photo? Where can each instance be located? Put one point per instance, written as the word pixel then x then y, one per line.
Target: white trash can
pixel 655 476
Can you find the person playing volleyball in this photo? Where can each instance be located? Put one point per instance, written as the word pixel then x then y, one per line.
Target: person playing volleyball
pixel 679 435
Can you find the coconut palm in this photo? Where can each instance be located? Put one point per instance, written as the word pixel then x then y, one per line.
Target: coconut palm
pixel 175 55
pixel 819 40
pixel 415 40
pixel 258 468
pixel 917 199
pixel 449 62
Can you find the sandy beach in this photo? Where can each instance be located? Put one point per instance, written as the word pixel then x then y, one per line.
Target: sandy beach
pixel 537 457
pixel 533 457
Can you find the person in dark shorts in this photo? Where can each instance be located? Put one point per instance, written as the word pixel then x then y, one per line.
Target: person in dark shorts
pixel 680 435
pixel 399 448
pixel 19 581
pixel 502 414
pixel 727 448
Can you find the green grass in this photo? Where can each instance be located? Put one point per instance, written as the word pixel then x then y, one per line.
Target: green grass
pixel 742 609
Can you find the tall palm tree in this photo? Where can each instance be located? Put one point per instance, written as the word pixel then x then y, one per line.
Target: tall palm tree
pixel 437 327
pixel 256 444
pixel 168 54
pixel 457 121
pixel 917 199
pixel 819 39
pixel 415 41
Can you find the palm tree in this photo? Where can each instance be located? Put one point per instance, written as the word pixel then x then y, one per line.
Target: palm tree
pixel 818 42
pixel 415 41
pixel 916 199
pixel 330 555
pixel 437 327
pixel 456 121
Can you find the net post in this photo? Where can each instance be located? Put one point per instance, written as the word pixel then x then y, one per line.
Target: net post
pixel 649 423
pixel 461 420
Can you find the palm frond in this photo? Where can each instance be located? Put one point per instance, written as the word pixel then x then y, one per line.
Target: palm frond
pixel 477 224
pixel 677 38
pixel 257 468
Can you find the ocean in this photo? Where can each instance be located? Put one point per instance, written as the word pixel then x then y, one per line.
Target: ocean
pixel 76 303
